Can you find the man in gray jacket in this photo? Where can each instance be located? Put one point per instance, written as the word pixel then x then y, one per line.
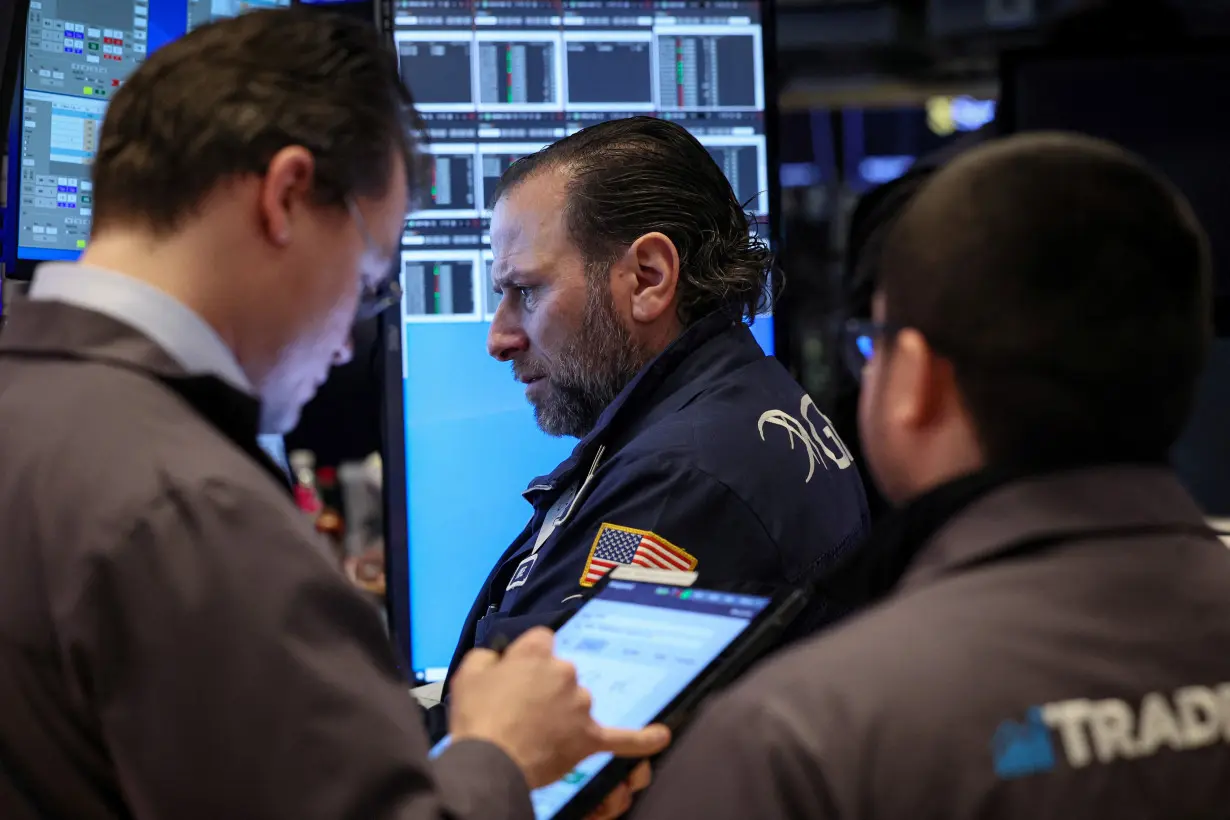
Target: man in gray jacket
pixel 174 640
pixel 1056 637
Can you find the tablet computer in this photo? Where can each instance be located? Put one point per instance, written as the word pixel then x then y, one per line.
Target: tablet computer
pixel 650 646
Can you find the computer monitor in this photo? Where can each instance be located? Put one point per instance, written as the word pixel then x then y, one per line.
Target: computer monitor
pixel 201 12
pixel 1165 103
pixel 77 54
pixel 494 82
pixel 880 144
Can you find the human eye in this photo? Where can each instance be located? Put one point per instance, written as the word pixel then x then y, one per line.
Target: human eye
pixel 525 294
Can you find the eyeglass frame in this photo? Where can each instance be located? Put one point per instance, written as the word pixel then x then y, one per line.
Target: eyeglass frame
pixel 375 299
pixel 853 331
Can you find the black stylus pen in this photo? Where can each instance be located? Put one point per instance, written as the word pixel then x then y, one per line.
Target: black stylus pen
pixel 501 641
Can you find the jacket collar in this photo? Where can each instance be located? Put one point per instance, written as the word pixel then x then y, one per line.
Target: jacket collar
pixel 46 330
pixel 984 515
pixel 1061 505
pixel 666 384
pixel 156 315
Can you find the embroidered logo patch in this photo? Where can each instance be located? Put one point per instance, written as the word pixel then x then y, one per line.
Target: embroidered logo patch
pixel 623 546
pixel 813 440
pixel 522 573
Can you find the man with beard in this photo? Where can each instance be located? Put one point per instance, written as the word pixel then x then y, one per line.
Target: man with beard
pixel 628 269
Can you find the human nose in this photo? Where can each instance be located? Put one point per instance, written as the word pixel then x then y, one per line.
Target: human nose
pixel 506 338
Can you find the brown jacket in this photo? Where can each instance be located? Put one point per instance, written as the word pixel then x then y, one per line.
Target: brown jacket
pixel 173 641
pixel 1087 679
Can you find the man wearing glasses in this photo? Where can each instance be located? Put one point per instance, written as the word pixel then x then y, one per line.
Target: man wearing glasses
pixel 174 641
pixel 1054 638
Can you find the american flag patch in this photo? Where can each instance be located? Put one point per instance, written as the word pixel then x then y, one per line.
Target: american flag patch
pixel 623 546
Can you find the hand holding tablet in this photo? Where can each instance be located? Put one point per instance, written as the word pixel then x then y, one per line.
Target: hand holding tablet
pixel 529 703
pixel 646 649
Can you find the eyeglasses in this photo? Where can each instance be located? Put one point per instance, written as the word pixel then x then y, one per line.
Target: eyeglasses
pixel 386 292
pixel 860 338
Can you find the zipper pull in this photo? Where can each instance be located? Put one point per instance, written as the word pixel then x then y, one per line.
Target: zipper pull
pixel 593 468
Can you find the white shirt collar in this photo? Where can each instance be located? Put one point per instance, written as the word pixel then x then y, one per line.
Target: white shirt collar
pixel 172 325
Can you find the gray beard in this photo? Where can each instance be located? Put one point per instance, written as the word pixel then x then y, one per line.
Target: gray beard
pixel 595 366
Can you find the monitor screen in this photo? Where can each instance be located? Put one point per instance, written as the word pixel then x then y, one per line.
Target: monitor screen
pixel 201 12
pixel 882 143
pixel 494 82
pixel 77 54
pixel 1167 107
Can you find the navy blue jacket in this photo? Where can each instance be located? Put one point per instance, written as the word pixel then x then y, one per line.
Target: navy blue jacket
pixel 712 458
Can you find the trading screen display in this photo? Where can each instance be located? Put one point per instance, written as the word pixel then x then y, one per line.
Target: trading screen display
pixel 78 53
pixel 496 80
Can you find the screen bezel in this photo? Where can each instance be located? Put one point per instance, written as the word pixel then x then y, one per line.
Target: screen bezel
pixel 396 506
pixel 1013 60
pixel 13 24
pixel 14 64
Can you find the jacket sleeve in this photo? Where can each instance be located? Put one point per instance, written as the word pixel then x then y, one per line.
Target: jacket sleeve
pixel 234 673
pixel 741 759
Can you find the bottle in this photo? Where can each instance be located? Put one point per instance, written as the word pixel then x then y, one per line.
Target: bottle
pixel 303 468
pixel 329 521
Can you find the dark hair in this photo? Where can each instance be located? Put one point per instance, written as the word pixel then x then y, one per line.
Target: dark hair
pixel 223 100
pixel 1070 286
pixel 634 176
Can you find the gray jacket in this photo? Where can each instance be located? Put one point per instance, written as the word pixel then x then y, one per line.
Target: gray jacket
pixel 174 642
pixel 1089 678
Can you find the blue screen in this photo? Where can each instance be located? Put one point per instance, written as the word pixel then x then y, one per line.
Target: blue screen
pixel 495 82
pixel 77 54
pixel 636 647
pixel 471 449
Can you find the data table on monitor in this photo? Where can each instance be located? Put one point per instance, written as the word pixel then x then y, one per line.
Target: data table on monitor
pixel 78 53
pixel 84 48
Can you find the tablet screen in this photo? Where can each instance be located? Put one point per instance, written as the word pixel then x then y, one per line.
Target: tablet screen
pixel 636 647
